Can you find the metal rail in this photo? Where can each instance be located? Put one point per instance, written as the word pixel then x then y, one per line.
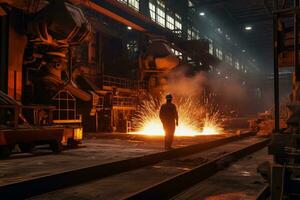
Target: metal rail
pixel 123 82
pixel 41 185
pixel 177 184
pixel 264 193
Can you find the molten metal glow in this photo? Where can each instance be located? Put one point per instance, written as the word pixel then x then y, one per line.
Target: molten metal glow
pixel 193 119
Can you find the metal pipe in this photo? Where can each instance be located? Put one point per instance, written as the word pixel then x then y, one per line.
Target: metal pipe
pixel 276 70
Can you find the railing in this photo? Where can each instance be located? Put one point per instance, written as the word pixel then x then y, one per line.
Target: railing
pixel 124 102
pixel 123 83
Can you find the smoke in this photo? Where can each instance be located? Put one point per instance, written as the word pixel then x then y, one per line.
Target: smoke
pixel 182 84
pixel 221 91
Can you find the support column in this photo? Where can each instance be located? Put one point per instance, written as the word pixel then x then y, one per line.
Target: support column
pixel 276 70
pixel 4 53
pixel 16 46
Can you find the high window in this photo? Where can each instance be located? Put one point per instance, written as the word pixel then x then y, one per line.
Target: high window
pixel 173 21
pixel 178 22
pixel 211 47
pixel 219 53
pixel 157 11
pixel 228 59
pixel 177 53
pixel 237 65
pixel 170 22
pixel 193 34
pixel 135 4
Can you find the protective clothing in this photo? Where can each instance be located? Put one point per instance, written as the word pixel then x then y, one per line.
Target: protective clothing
pixel 169 117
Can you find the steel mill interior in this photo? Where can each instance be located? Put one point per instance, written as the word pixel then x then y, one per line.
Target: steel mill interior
pixel 149 99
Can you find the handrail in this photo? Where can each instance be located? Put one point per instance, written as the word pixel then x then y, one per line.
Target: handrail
pixel 123 82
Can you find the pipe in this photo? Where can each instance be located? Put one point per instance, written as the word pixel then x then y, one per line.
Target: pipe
pixel 276 70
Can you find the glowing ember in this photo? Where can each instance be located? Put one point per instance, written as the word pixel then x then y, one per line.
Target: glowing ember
pixel 193 119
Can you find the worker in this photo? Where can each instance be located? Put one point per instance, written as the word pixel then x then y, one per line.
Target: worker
pixel 169 117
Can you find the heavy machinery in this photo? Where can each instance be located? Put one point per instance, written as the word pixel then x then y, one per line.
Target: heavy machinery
pixel 41 92
pixel 15 130
pixel 284 173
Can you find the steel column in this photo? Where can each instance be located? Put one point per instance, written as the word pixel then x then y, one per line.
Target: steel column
pixel 276 70
pixel 4 53
pixel 296 41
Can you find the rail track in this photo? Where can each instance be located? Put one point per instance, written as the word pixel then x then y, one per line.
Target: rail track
pixel 41 185
pixel 177 184
pixel 264 193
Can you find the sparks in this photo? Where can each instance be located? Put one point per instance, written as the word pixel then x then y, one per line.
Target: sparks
pixel 193 119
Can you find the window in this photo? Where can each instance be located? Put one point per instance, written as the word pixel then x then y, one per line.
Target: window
pixel 132 46
pixel 189 34
pixel 152 8
pixel 228 59
pixel 135 4
pixel 157 11
pixel 219 54
pixel 164 17
pixel 193 34
pixel 177 53
pixel 170 23
pixel 237 65
pixel 211 47
pixel 173 22
pixel 160 16
pixel 178 22
pixel 65 104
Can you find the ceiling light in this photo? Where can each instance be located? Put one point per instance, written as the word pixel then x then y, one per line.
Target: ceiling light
pixel 202 13
pixel 129 28
pixel 248 28
pixel 243 50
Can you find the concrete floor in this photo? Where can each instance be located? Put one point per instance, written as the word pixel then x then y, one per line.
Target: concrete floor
pixel 93 151
pixel 238 182
pixel 121 185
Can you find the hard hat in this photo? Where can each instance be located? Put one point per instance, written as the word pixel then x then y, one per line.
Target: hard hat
pixel 169 96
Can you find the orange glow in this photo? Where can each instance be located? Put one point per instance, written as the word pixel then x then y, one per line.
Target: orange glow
pixel 154 128
pixel 191 120
pixel 112 15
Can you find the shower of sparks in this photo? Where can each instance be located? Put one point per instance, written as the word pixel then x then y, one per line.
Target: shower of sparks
pixel 194 118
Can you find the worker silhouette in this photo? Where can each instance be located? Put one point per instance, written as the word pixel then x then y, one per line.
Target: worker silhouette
pixel 169 117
